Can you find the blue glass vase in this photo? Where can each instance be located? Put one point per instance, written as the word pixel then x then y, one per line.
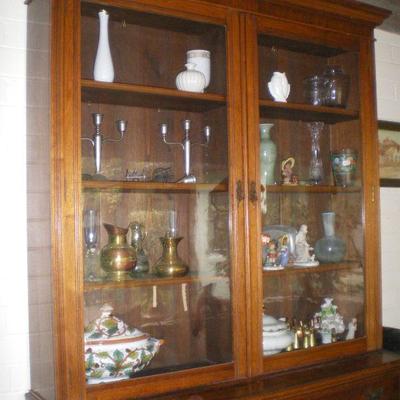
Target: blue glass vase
pixel 329 249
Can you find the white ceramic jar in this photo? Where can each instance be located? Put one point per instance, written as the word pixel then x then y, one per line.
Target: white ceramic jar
pixel 191 80
pixel 201 58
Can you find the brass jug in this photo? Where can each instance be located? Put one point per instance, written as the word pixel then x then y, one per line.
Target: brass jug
pixel 117 258
pixel 170 264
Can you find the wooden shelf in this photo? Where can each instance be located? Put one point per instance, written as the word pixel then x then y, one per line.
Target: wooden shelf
pixel 310 189
pixel 305 112
pixel 152 280
pixel 347 265
pixel 153 186
pixel 149 96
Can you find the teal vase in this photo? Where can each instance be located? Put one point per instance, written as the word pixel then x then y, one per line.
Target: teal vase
pixel 267 155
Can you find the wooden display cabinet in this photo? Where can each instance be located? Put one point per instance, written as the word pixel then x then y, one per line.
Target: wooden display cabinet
pixel 210 320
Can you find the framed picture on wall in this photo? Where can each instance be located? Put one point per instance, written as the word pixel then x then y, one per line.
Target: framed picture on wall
pixel 389 153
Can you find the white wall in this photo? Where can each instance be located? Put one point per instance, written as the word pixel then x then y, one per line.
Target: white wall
pixel 387 50
pixel 14 349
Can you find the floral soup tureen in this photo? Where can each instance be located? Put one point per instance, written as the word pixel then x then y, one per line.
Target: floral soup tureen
pixel 113 351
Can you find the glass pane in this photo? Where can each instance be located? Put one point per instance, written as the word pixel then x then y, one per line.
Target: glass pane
pixel 311 208
pixel 156 212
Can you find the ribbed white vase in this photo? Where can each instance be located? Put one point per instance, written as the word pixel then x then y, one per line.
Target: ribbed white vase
pixel 103 65
pixel 191 80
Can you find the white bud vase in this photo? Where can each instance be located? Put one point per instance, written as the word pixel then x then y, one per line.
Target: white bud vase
pixel 103 65
pixel 191 80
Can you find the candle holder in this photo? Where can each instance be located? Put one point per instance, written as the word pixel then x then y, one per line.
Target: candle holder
pixel 186 147
pixel 98 138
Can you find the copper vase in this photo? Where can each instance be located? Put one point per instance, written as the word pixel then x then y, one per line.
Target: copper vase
pixel 117 258
pixel 170 264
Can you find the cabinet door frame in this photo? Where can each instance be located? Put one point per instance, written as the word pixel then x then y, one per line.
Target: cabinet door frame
pixel 66 213
pixel 251 26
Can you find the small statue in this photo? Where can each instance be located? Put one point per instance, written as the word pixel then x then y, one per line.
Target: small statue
pixel 283 257
pixel 288 178
pixel 303 249
pixel 351 329
pixel 328 321
pixel 271 255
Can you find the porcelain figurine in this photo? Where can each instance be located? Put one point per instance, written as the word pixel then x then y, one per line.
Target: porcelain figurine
pixel 288 178
pixel 103 65
pixel 113 351
pixel 351 329
pixel 328 321
pixel 276 335
pixel 279 86
pixel 303 249
pixel 191 80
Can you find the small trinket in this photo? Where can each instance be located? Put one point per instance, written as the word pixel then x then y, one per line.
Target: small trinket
pixel 288 178
pixel 163 174
pixel 303 249
pixel 135 176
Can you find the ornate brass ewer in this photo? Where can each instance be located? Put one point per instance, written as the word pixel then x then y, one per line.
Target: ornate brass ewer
pixel 117 258
pixel 170 264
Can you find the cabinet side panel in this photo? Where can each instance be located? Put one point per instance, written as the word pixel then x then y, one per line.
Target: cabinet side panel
pixel 38 199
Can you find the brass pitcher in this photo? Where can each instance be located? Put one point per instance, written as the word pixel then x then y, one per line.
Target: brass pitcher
pixel 117 258
pixel 170 265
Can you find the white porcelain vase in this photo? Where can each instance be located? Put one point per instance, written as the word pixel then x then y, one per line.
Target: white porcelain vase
pixel 191 80
pixel 279 86
pixel 201 58
pixel 103 65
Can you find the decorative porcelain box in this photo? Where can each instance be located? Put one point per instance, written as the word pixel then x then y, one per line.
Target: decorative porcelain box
pixel 113 351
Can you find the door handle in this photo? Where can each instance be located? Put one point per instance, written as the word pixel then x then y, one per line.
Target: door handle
pixel 253 192
pixel 239 191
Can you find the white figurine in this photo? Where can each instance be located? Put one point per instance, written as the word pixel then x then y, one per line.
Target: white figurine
pixel 303 249
pixel 351 329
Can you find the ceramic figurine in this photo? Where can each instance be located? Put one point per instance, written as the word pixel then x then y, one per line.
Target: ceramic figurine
pixel 283 257
pixel 351 329
pixel 191 80
pixel 113 351
pixel 328 321
pixel 279 86
pixel 303 249
pixel 288 178
pixel 271 254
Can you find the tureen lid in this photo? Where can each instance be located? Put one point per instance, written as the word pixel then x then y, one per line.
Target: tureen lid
pixel 109 327
pixel 271 324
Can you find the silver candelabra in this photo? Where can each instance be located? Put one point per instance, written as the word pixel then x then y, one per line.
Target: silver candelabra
pixel 98 139
pixel 186 147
